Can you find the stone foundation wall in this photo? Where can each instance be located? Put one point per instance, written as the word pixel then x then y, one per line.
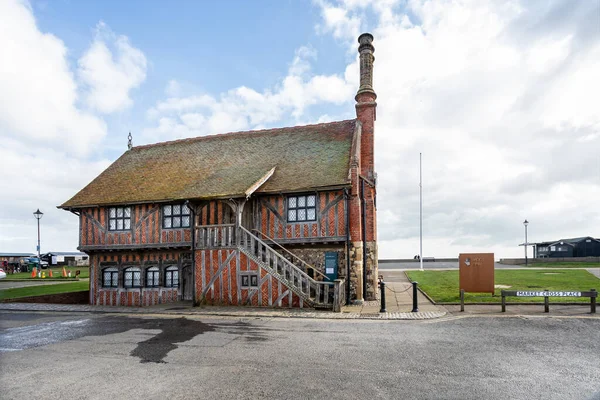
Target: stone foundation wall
pixel 315 256
pixel 372 271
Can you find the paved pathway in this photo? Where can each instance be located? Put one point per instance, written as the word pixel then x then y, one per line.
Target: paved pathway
pixel 19 284
pixel 595 271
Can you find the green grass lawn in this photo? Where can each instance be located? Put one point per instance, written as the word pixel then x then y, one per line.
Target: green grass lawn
pixel 565 264
pixel 44 289
pixel 56 273
pixel 442 286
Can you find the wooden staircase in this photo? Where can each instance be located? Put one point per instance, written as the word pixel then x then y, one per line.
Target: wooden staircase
pixel 316 294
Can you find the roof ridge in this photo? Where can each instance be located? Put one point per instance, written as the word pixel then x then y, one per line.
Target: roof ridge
pixel 236 133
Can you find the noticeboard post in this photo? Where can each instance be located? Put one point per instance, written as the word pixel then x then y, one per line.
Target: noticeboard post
pixel 476 272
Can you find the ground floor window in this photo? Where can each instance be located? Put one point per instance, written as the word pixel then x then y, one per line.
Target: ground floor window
pixel 110 277
pixel 250 280
pixel 132 277
pixel 171 277
pixel 152 275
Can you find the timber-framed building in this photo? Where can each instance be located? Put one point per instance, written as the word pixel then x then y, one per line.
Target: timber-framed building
pixel 281 217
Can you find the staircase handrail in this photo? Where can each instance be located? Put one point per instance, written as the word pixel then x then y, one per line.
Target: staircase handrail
pixel 286 261
pixel 293 255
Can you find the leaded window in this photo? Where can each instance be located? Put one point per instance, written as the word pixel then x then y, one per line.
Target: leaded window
pixel 172 277
pixel 132 278
pixel 119 218
pixel 176 216
pixel 250 280
pixel 152 275
pixel 302 208
pixel 110 277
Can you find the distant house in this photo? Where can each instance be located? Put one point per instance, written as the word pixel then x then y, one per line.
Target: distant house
pixel 13 259
pixel 576 247
pixel 70 258
pixel 282 217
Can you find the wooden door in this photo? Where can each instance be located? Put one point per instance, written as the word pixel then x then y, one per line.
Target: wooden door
pixel 187 283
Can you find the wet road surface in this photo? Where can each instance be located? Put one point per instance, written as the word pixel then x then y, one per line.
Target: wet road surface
pixel 100 356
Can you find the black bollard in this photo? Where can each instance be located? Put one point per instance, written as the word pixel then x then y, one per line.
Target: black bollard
pixel 415 300
pixel 382 287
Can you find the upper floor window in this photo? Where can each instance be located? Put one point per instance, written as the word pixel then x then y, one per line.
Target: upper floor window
pixel 302 208
pixel 132 277
pixel 176 216
pixel 110 277
pixel 172 277
pixel 119 218
pixel 152 274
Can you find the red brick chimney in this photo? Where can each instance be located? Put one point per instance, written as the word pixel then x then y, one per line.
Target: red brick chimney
pixel 366 105
pixel 366 113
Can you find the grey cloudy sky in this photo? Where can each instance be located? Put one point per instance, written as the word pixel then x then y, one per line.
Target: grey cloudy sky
pixel 501 97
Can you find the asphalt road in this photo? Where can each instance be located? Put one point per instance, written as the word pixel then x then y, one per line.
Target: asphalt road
pixel 94 356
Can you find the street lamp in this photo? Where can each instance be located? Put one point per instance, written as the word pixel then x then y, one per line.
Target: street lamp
pixel 525 223
pixel 38 215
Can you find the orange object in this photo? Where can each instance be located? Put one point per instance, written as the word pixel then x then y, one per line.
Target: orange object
pixel 49 273
pixel 33 272
pixel 64 273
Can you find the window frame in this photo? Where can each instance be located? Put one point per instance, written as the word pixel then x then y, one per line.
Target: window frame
pixel 123 219
pixel 114 271
pixel 155 271
pixel 169 280
pixel 297 208
pixel 249 280
pixel 133 270
pixel 171 216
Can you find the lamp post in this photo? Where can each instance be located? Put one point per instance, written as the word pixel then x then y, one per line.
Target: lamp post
pixel 526 223
pixel 38 215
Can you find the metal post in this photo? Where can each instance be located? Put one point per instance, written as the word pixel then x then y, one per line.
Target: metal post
pixel 462 300
pixel 546 303
pixel 593 303
pixel 415 301
pixel 503 302
pixel 420 213
pixel 382 287
pixel 38 246
pixel 526 263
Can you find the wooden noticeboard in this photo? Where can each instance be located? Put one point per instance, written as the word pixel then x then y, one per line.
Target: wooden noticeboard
pixel 476 272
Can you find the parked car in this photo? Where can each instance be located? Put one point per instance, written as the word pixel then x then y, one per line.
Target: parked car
pixel 2 274
pixel 35 261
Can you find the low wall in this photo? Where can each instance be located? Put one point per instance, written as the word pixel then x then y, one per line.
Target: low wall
pixel 82 297
pixel 520 261
pixel 425 259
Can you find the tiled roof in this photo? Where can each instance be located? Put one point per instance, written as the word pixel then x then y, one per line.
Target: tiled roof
pixel 226 165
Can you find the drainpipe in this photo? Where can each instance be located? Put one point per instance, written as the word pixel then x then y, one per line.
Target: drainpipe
pixel 193 212
pixel 347 198
pixel 364 234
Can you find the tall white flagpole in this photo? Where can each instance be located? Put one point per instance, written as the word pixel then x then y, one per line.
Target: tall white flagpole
pixel 420 213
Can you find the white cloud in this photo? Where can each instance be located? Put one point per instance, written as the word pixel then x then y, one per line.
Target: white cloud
pixel 39 95
pixel 245 108
pixel 47 139
pixel 111 75
pixel 501 97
